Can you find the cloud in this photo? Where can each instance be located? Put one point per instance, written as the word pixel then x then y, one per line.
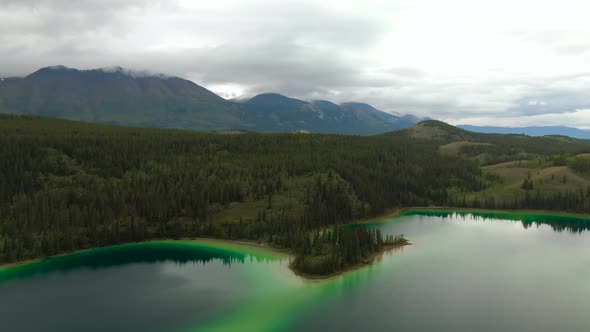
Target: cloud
pixel 448 60
pixel 551 102
pixel 578 118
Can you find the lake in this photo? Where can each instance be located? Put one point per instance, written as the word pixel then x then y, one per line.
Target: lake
pixel 463 272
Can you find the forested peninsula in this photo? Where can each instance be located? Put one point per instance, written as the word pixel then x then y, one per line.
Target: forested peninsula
pixel 67 186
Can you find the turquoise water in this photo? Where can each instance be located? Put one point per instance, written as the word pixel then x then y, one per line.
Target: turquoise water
pixel 156 286
pixel 463 272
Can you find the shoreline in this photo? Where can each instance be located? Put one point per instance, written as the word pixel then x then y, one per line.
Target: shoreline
pixel 241 243
pixel 195 241
pixel 401 211
pixel 277 250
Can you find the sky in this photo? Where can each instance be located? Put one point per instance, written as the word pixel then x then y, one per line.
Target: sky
pixel 507 63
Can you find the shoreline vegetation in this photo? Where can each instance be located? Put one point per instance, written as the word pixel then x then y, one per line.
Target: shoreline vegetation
pixel 235 245
pixel 365 262
pixel 334 250
pixel 389 243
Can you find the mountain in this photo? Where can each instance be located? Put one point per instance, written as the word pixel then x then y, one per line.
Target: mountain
pixel 117 96
pixel 275 112
pixel 440 131
pixel 532 131
pixel 274 99
pixel 123 97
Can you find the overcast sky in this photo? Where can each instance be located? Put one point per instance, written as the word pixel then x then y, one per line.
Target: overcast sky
pixel 517 62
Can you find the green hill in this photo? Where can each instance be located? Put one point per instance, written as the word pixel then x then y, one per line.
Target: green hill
pixel 488 149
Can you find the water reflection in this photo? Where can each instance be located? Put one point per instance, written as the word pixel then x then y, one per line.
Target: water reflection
pixel 154 252
pixel 467 272
pixel 558 223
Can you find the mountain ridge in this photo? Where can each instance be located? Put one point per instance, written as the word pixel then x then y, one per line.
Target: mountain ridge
pixel 531 130
pixel 119 96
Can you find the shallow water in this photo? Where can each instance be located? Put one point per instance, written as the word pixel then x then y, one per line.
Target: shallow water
pixel 463 272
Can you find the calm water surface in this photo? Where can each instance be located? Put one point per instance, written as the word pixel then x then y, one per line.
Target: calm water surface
pixel 464 272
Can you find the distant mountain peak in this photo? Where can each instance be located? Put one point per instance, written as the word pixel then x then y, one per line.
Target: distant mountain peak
pixel 272 98
pixel 51 70
pixel 363 106
pixel 325 104
pixel 58 67
pixel 133 73
pixel 271 95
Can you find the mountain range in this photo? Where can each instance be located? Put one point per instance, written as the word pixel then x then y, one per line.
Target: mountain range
pixel 531 131
pixel 123 97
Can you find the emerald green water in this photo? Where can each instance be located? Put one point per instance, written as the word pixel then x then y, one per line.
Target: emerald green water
pixel 463 272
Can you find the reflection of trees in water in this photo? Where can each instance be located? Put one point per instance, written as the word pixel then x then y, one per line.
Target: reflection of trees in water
pixel 571 226
pixel 558 223
pixel 127 254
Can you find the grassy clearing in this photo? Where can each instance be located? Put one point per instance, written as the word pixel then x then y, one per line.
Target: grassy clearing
pixel 455 147
pixel 583 155
pixel 508 164
pixel 546 178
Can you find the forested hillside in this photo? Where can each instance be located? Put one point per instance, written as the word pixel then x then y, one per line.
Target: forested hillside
pixel 68 185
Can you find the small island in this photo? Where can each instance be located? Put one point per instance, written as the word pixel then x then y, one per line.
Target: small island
pixel 334 251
